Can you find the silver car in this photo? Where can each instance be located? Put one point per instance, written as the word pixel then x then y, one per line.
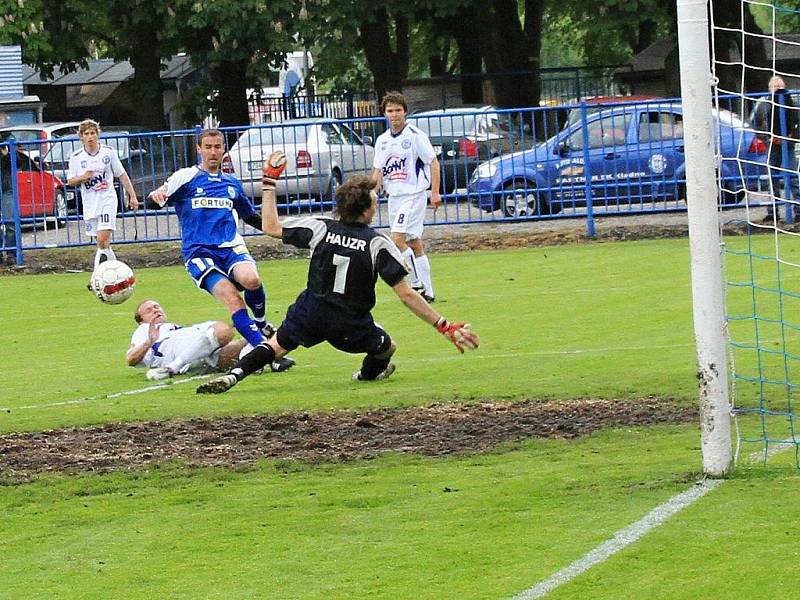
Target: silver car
pixel 320 153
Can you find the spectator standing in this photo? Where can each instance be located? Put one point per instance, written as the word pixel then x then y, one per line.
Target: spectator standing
pixel 405 164
pixel 7 207
pixel 776 120
pixel 208 202
pixel 347 257
pixel 93 168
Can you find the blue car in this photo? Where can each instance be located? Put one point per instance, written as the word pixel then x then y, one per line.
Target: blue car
pixel 630 154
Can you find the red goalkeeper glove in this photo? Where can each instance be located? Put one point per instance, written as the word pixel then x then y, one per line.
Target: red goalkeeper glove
pixel 460 334
pixel 273 168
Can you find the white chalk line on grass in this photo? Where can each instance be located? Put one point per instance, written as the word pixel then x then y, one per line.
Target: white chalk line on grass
pixel 305 366
pixel 150 388
pixel 632 533
pixel 624 537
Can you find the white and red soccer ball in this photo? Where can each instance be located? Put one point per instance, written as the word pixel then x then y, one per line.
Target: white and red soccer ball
pixel 113 282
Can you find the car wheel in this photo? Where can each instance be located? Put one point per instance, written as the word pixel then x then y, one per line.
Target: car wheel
pixel 60 207
pixel 519 199
pixel 333 185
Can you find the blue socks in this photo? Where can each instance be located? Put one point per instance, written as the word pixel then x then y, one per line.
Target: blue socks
pixel 247 327
pixel 257 301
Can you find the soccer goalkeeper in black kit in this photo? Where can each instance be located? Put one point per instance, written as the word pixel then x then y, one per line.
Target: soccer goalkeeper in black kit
pixel 347 257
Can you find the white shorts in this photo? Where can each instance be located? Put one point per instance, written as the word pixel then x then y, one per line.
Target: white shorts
pixel 407 214
pixel 168 348
pixel 103 221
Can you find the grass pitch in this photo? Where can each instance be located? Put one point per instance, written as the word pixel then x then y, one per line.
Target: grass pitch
pixel 600 320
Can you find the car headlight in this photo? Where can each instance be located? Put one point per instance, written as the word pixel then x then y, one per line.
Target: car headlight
pixel 484 171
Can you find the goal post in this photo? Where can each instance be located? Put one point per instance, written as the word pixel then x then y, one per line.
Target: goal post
pixel 708 290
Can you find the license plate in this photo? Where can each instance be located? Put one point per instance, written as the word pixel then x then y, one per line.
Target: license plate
pixel 255 165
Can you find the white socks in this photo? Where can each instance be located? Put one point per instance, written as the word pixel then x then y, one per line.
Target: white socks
pixel 107 252
pixel 410 260
pixel 424 273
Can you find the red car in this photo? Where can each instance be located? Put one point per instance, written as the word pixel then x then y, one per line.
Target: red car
pixel 42 195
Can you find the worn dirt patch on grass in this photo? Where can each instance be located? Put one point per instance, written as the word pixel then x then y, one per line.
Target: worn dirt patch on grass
pixel 435 430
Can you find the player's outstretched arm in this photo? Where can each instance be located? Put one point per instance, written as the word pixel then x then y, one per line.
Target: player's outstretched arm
pixel 273 169
pixel 460 334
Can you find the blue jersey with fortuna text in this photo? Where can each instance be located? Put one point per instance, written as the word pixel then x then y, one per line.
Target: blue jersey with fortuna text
pixel 208 208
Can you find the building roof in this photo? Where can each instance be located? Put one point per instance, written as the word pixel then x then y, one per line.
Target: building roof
pixel 652 59
pixel 106 70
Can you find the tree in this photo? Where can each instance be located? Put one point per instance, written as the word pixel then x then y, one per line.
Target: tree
pixel 235 50
pixel 52 34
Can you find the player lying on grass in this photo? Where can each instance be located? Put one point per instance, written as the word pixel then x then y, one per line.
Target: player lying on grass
pixel 347 256
pixel 168 349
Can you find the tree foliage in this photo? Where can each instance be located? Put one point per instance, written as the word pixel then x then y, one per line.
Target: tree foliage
pixel 356 44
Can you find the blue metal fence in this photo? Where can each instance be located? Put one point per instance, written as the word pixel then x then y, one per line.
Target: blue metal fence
pixel 497 166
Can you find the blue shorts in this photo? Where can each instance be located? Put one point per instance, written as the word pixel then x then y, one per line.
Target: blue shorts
pixel 309 322
pixel 209 265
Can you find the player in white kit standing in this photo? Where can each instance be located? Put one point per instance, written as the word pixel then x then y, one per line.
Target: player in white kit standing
pixel 93 169
pixel 406 164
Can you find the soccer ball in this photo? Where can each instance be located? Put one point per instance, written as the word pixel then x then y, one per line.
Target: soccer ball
pixel 113 281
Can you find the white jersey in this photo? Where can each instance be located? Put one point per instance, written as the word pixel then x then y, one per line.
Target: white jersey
pixel 172 339
pixel 404 160
pixel 98 192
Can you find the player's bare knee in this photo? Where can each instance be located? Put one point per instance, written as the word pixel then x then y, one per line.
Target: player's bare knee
pixel 223 332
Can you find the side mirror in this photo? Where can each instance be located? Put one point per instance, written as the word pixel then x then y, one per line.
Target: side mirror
pixel 367 139
pixel 563 148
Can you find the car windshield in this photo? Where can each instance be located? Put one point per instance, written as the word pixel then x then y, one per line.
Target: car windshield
pixel 274 136
pixel 443 125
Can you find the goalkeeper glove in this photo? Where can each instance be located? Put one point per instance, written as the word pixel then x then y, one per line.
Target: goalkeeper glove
pixel 273 168
pixel 460 334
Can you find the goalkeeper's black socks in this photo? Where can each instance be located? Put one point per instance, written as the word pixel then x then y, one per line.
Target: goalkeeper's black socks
pixel 258 358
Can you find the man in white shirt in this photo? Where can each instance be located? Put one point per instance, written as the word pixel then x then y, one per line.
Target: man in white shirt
pixel 406 165
pixel 93 168
pixel 168 349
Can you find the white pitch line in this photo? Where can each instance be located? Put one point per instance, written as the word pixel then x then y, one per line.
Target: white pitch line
pixel 437 359
pixel 623 538
pixel 632 533
pixel 150 388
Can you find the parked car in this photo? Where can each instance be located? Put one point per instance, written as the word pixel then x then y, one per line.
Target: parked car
pixel 598 103
pixel 321 153
pixel 42 196
pixel 147 158
pixel 465 137
pixel 635 153
pixel 27 135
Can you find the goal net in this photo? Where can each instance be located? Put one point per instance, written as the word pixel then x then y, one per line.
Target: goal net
pixel 755 58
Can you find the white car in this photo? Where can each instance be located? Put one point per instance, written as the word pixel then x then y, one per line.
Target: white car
pixel 320 153
pixel 27 136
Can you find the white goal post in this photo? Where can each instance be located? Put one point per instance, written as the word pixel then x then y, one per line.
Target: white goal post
pixel 708 292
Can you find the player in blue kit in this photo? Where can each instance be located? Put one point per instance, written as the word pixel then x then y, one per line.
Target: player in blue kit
pixel 347 258
pixel 208 203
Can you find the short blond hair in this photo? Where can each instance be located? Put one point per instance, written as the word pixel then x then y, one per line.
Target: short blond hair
pixel 88 124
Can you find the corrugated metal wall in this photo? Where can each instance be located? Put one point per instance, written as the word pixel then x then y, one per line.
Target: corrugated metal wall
pixel 11 72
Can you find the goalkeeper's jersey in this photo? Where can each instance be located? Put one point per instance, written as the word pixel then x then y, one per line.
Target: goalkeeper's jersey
pixel 346 261
pixel 208 207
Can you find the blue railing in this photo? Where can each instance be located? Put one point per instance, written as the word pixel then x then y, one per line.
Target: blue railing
pixel 586 160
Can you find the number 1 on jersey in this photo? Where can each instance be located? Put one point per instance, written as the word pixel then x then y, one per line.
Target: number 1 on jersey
pixel 342 264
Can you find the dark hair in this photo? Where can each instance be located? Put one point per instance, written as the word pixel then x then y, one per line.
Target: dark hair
pixel 394 98
pixel 208 133
pixel 353 198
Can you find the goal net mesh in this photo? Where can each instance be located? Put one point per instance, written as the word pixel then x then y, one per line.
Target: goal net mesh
pixel 761 78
